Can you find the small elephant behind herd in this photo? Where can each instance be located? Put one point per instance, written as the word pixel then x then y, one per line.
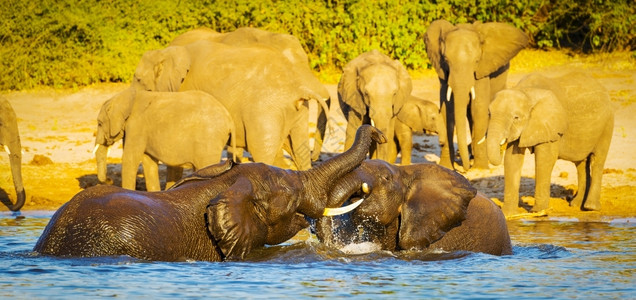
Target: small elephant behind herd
pixel 252 90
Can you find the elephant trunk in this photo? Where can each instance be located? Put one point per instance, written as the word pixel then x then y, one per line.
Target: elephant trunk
pixel 101 155
pixel 15 159
pixel 461 89
pixel 321 178
pixel 384 121
pixel 495 138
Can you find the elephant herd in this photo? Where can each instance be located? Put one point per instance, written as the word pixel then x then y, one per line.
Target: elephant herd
pixel 252 91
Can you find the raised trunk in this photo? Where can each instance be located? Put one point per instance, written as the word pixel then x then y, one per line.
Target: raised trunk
pixel 321 178
pixel 15 159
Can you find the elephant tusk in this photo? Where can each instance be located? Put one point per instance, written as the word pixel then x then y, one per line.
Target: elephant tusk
pixel 342 210
pixel 482 140
pixel 365 187
pixel 372 123
pixel 503 141
pixel 95 149
pixel 449 92
pixel 7 149
pixel 472 92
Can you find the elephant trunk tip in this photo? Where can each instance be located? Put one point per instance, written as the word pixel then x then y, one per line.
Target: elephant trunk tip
pixel 19 203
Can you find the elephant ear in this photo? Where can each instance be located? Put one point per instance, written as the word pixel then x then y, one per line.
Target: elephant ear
pixel 406 85
pixel 172 68
pixel 434 40
pixel 500 43
pixel 348 85
pixel 235 221
pixel 435 203
pixel 547 121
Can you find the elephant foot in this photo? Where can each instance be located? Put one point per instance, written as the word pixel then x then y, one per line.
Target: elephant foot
pixel 577 201
pixel 591 206
pixel 540 206
pixel 481 164
pixel 510 210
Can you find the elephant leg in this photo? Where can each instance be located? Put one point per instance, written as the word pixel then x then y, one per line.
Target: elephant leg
pixel 445 155
pixel 546 155
pixel 129 166
pixel 582 180
pixel 173 174
pixel 513 163
pixel 151 173
pixel 404 136
pixel 479 112
pixel 597 163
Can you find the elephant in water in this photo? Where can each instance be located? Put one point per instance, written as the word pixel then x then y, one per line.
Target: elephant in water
pixel 372 90
pixel 10 140
pixel 221 212
pixel 568 117
pixel 179 129
pixel 472 62
pixel 419 206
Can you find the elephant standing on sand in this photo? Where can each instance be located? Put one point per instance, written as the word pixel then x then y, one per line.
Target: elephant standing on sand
pixel 221 212
pixel 372 90
pixel 417 115
pixel 472 62
pixel 10 139
pixel 182 128
pixel 420 206
pixel 568 117
pixel 265 94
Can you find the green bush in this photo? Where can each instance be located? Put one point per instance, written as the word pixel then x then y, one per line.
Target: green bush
pixel 67 43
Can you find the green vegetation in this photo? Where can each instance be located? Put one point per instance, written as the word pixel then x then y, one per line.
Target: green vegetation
pixel 70 43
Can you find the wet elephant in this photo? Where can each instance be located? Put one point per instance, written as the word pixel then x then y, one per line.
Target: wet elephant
pixel 414 207
pixel 221 212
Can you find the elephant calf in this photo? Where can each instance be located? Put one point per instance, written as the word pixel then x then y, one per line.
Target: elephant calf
pixel 177 128
pixel 568 117
pixel 417 115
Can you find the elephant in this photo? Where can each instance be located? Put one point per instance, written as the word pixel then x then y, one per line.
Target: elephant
pixel 417 115
pixel 568 117
pixel 10 139
pixel 265 94
pixel 472 62
pixel 290 47
pixel 416 207
pixel 178 128
pixel 372 90
pixel 220 212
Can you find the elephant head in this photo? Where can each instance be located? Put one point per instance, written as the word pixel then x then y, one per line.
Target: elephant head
pixel 462 55
pixel 111 122
pixel 419 206
pixel 421 115
pixel 162 70
pixel 374 88
pixel 10 140
pixel 529 116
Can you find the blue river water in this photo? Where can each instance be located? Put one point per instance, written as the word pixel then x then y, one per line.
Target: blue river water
pixel 551 259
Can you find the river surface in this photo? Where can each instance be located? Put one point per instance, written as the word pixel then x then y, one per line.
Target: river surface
pixel 551 259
